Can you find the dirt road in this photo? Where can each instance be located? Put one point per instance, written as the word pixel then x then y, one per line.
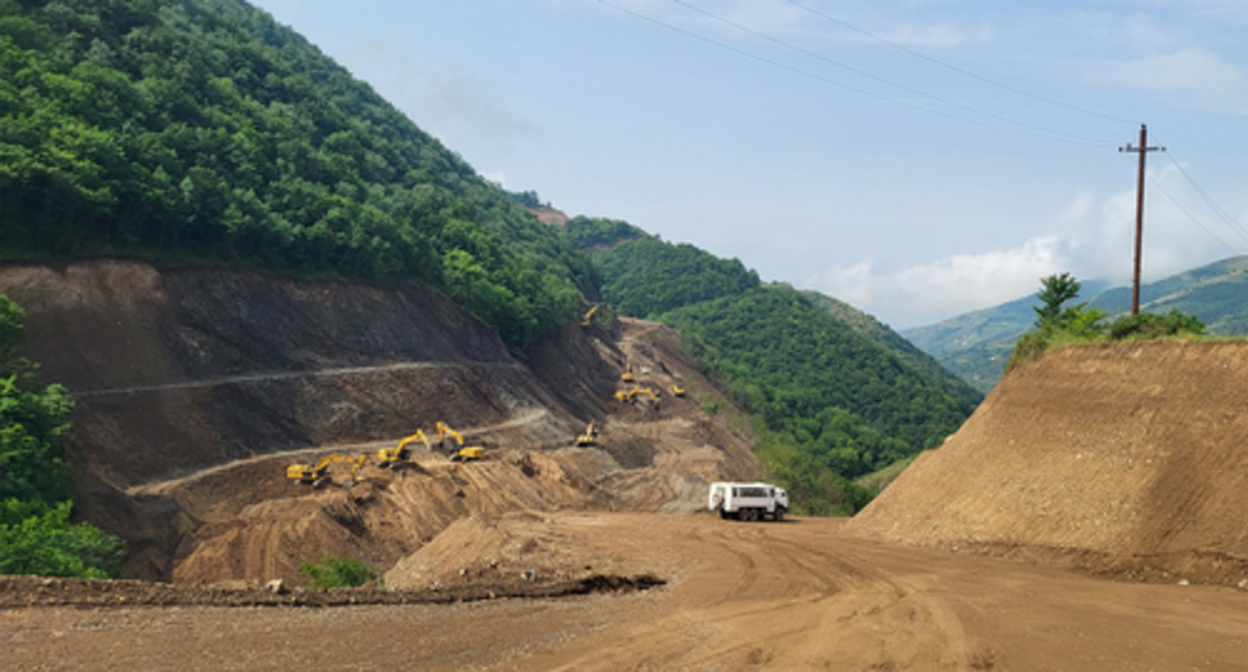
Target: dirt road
pixel 791 596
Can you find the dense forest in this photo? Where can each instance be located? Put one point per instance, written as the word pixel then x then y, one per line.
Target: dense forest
pixel 590 233
pixel 833 405
pixel 200 131
pixel 36 536
pixel 648 276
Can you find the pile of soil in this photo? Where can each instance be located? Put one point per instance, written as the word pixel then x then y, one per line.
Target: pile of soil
pixel 29 591
pixel 196 388
pixel 1127 460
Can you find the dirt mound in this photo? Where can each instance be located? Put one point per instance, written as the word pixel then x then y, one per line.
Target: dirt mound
pixel 195 390
pixel 1127 460
pixel 29 591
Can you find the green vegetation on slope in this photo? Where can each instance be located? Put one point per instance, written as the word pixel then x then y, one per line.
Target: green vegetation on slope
pixel 830 404
pixel 586 233
pixel 880 333
pixel 202 132
pixel 649 276
pixel 1058 324
pixel 36 536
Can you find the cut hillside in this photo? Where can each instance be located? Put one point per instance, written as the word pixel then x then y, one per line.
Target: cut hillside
pixel 1127 459
pixel 195 390
pixel 204 133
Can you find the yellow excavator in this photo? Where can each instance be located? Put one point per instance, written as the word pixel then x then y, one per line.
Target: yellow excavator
pixel 627 396
pixel 677 390
pixel 459 452
pixel 627 376
pixel 588 315
pixel 309 474
pixel 590 437
pixel 388 457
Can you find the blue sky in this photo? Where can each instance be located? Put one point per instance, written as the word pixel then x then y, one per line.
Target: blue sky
pixel 918 159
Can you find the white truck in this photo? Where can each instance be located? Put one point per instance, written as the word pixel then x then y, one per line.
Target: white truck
pixel 748 501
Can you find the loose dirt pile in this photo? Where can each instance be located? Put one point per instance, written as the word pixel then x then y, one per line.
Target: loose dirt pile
pixel 27 591
pixel 1129 460
pixel 195 390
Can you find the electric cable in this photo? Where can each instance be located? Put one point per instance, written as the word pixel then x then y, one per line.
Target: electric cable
pixel 839 84
pixel 962 71
pixel 1190 216
pixel 888 82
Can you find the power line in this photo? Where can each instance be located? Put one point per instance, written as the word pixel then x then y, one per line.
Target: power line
pixel 960 70
pixel 868 75
pixel 1190 216
pixel 1217 209
pixel 839 84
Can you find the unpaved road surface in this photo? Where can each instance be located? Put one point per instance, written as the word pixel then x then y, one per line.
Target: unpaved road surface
pixel 793 596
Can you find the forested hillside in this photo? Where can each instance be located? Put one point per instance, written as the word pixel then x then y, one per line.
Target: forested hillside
pixel 833 393
pixel 880 333
pixel 830 400
pixel 202 132
pixel 646 277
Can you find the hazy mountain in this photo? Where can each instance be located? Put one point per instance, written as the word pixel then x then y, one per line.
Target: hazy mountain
pixel 977 345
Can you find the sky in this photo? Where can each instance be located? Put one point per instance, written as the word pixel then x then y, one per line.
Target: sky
pixel 916 158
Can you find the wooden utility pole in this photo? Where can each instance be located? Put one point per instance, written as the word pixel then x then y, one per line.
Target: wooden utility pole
pixel 1143 149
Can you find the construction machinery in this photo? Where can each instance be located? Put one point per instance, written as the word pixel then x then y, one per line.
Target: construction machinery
pixel 590 437
pixel 627 376
pixel 388 457
pixel 677 391
pixel 459 452
pixel 588 315
pixel 309 474
pixel 627 396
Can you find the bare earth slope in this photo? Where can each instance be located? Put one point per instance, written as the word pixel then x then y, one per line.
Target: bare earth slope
pixel 1129 459
pixel 196 389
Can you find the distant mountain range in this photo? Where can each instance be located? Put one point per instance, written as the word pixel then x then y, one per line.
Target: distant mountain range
pixel 977 345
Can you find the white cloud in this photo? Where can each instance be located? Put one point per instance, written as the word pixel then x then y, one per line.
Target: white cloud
pixel 1093 238
pixel 959 283
pixel 1195 77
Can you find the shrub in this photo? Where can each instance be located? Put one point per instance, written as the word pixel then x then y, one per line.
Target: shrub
pixel 1149 325
pixel 48 545
pixel 335 572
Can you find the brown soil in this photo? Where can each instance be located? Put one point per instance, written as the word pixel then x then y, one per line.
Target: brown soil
pixel 197 388
pixel 792 596
pixel 1125 460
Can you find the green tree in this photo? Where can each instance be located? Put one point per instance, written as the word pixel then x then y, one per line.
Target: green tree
pixel 36 536
pixel 1055 291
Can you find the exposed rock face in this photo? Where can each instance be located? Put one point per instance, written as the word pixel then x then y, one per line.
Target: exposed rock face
pixel 196 388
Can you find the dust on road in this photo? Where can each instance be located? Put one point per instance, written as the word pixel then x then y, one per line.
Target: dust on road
pixel 790 596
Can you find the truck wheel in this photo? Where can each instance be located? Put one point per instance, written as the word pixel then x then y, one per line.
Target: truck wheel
pixel 779 514
pixel 749 515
